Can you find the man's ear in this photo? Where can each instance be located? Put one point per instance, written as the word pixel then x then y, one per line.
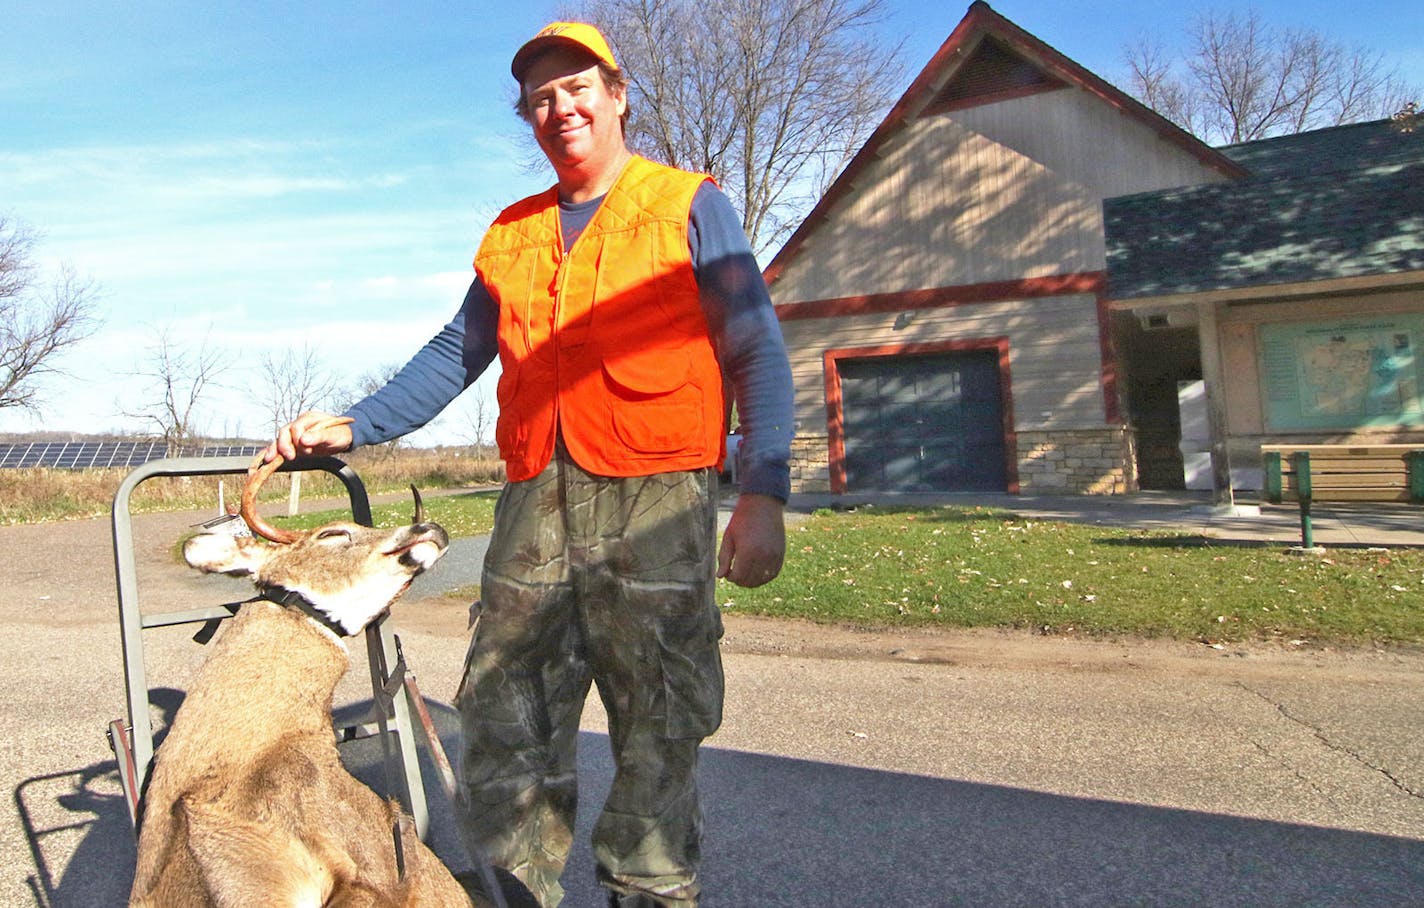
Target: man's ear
pixel 221 553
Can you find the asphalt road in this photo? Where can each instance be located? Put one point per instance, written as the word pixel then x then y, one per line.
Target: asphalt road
pixel 976 769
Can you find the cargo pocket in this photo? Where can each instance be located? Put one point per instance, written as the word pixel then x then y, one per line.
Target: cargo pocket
pixel 692 672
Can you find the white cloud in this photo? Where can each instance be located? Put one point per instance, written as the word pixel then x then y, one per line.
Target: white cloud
pixel 359 248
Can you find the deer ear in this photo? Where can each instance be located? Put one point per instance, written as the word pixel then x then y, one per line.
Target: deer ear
pixel 220 553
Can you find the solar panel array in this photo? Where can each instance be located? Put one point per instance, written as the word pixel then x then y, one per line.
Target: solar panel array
pixel 83 455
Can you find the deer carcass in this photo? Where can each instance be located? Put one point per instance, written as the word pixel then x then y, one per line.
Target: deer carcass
pixel 248 802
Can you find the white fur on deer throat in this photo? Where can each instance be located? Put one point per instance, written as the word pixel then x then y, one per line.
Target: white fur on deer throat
pixel 348 583
pixel 353 609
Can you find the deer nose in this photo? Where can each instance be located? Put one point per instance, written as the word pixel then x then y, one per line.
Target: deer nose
pixel 425 544
pixel 434 531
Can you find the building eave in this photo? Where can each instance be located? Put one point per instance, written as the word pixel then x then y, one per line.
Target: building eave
pixel 1266 293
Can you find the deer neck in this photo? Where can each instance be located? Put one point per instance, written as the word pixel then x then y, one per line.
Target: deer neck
pixel 294 600
pixel 273 671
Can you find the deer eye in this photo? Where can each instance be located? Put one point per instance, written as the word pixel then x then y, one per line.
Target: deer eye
pixel 334 533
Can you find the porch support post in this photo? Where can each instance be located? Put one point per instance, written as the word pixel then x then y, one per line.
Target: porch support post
pixel 1208 339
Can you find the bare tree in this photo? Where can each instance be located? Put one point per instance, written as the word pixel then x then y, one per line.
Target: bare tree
pixel 293 382
pixel 1154 83
pixel 1241 80
pixel 37 323
pixel 770 97
pixel 179 380
pixel 481 414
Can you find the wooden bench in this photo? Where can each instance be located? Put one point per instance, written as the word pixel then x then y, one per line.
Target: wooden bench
pixel 1309 473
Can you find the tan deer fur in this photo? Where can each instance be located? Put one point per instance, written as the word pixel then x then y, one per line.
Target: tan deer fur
pixel 249 804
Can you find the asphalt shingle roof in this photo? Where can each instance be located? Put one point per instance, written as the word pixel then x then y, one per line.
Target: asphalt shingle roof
pixel 1341 202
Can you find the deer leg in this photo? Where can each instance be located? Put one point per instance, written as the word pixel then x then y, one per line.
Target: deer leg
pixel 246 863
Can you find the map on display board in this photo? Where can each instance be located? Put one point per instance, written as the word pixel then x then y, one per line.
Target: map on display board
pixel 1344 374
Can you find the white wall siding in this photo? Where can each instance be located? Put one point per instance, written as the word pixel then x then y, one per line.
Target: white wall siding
pixel 1000 192
pixel 1075 134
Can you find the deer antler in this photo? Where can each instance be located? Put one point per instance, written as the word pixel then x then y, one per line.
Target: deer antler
pixel 257 474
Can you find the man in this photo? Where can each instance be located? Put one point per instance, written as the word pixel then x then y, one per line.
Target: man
pixel 621 302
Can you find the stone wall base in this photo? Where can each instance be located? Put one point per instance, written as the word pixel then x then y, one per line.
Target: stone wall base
pixel 1077 461
pixel 811 464
pixel 1065 461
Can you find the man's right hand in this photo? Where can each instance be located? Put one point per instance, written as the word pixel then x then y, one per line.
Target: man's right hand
pixel 312 434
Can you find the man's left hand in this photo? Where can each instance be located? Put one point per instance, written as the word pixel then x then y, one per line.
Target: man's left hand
pixel 754 545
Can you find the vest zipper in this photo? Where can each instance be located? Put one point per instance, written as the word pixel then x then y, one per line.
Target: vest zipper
pixel 560 276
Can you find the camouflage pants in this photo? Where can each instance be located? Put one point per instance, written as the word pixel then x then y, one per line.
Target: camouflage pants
pixel 591 580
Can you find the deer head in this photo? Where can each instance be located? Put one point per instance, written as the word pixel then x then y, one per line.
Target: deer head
pixel 350 573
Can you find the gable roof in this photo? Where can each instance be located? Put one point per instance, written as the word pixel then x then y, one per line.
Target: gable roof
pixel 985 59
pixel 1342 202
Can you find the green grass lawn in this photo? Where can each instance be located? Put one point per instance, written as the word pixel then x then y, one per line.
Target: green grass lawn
pixel 958 566
pixel 978 567
pixel 462 514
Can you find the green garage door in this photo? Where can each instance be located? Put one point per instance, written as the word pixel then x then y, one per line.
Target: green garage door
pixel 923 423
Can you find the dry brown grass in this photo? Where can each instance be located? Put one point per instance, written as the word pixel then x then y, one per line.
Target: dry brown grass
pixel 41 494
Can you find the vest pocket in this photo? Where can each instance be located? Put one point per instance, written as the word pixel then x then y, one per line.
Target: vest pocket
pixel 653 407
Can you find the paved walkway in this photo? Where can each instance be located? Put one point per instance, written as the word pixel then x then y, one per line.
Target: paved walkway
pixel 1247 521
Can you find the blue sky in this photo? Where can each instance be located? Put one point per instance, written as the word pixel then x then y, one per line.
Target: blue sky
pixel 275 175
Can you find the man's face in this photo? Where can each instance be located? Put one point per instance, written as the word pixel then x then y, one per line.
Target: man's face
pixel 574 115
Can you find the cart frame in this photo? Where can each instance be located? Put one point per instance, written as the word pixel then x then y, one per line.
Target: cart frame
pixel 393 689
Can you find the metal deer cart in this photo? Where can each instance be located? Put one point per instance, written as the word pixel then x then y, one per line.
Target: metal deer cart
pixel 395 698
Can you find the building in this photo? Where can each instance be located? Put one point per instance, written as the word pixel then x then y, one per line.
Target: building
pixel 1296 295
pixel 949 306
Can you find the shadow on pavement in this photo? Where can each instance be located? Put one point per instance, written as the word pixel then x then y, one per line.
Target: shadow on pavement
pixel 849 836
pixel 99 869
pixel 796 833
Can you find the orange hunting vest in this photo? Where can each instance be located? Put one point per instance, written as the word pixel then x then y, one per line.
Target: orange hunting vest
pixel 607 344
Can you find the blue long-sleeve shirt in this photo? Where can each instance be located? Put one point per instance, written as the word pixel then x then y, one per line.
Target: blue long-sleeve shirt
pixel 740 318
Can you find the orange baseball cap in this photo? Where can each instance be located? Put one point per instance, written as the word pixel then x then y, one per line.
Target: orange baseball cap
pixel 568 34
